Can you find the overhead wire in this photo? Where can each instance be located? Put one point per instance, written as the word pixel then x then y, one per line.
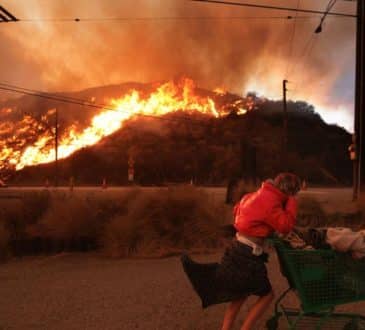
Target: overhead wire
pixel 82 102
pixel 164 18
pixel 242 4
pixel 55 96
pixel 311 41
pixel 291 42
pixel 307 50
pixel 296 10
pixel 86 103
pixel 6 16
pixel 330 5
pixel 309 46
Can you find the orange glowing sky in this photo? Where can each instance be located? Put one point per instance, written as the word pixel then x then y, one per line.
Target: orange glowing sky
pixel 239 54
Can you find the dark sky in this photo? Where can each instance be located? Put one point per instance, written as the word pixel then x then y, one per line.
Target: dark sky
pixel 241 54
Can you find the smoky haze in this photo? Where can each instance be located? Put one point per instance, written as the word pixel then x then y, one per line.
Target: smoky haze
pixel 239 54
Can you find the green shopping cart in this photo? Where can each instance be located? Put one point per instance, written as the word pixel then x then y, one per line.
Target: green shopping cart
pixel 322 280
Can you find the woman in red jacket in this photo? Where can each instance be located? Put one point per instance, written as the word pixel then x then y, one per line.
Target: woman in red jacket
pixel 242 271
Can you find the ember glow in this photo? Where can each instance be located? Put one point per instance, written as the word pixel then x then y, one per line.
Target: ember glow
pixel 220 90
pixel 32 141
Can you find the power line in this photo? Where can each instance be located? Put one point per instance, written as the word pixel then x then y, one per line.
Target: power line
pixel 58 96
pixel 292 41
pixel 84 103
pixel 229 3
pixel 181 18
pixel 330 5
pixel 6 16
pixel 80 102
pixel 312 40
pixel 64 99
pixel 307 50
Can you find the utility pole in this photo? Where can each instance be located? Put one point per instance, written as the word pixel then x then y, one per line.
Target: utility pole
pixel 130 168
pixel 56 148
pixel 359 122
pixel 285 127
pixel 358 184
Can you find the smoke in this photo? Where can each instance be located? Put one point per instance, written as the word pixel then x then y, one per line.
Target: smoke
pixel 238 54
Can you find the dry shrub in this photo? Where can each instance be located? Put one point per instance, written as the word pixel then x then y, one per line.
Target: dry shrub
pixel 310 213
pixel 12 216
pixel 164 220
pixel 351 220
pixel 361 211
pixel 4 241
pixel 146 222
pixel 356 219
pixel 70 217
pixel 61 217
pixel 107 207
pixel 237 189
pixel 34 205
pixel 18 213
pixel 120 237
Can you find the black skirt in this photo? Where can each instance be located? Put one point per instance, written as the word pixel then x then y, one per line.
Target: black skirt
pixel 238 275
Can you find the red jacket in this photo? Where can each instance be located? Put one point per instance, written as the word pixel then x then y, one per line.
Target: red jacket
pixel 261 213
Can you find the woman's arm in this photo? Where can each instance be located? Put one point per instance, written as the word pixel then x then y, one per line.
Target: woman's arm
pixel 283 219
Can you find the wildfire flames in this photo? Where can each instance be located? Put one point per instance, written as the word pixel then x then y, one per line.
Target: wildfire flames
pixel 31 141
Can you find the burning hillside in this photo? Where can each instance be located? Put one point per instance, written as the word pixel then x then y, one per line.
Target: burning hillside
pixel 29 138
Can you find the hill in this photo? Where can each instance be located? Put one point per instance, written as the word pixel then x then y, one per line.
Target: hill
pixel 179 147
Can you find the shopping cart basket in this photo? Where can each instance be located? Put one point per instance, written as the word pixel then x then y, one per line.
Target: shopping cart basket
pixel 322 280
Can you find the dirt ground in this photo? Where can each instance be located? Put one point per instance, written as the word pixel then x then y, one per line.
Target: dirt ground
pixel 89 291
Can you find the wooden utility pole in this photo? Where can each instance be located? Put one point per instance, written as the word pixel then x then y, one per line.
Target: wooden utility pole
pixel 56 148
pixel 359 166
pixel 285 128
pixel 130 168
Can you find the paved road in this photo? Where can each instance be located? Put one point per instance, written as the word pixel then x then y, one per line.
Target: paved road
pixel 88 291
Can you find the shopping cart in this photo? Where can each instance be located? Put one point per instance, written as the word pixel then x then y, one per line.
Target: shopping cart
pixel 322 280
